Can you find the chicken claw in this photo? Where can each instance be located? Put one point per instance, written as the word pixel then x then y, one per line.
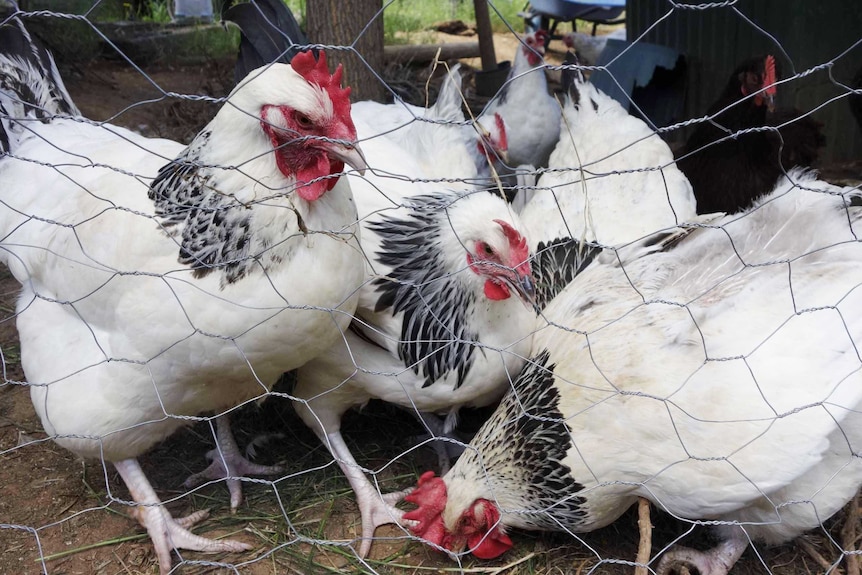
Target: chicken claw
pixel 227 454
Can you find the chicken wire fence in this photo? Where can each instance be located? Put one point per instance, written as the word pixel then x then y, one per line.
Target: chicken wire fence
pixel 645 347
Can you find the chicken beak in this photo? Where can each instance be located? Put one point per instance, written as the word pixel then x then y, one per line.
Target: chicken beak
pixel 350 154
pixel 770 103
pixel 503 156
pixel 525 287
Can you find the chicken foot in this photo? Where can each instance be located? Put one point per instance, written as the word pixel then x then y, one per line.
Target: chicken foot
pixel 716 561
pixel 226 462
pixel 446 444
pixel 375 508
pixel 166 532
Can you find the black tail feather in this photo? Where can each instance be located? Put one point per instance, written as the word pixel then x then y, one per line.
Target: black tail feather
pixel 30 84
pixel 556 263
pixel 270 33
pixel 569 74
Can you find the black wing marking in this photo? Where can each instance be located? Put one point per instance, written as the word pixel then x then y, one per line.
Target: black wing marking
pixel 215 228
pixel 435 338
pixel 556 263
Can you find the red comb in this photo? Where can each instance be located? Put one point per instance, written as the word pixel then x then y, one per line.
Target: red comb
pixel 518 247
pixel 534 47
pixel 541 36
pixel 503 143
pixel 317 72
pixel 312 69
pixel 430 497
pixel 769 78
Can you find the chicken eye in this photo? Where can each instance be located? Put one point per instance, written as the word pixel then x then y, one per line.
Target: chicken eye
pixel 487 249
pixel 304 121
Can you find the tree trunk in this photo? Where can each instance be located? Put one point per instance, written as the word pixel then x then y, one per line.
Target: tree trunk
pixel 340 23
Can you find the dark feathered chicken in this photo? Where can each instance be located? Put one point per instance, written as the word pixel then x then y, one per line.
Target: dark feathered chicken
pixel 728 166
pixel 270 33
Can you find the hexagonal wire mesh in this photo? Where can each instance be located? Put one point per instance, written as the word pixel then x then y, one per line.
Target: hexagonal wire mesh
pixel 566 298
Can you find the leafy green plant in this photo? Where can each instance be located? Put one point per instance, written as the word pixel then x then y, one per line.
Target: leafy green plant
pixel 158 12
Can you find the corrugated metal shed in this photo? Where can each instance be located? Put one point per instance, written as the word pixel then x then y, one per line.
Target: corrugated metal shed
pixel 825 35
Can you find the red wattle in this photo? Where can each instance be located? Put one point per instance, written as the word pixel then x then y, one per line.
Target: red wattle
pixel 495 291
pixel 495 544
pixel 320 167
pixel 335 167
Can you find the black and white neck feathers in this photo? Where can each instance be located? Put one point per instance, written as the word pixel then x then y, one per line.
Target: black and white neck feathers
pixel 556 263
pixel 427 288
pixel 214 230
pixel 523 446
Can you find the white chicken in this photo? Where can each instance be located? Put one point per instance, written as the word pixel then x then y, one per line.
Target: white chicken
pixel 447 146
pixel 161 281
pixel 530 112
pixel 611 181
pixel 720 379
pixel 589 48
pixel 444 321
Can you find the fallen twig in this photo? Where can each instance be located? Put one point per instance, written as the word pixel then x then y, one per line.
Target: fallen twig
pixel 645 543
pixel 46 558
pixel 808 547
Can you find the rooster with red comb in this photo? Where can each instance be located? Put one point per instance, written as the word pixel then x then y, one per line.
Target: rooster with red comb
pixel 531 114
pixel 719 377
pixel 161 281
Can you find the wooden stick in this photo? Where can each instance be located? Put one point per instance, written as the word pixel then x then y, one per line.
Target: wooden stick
pixel 427 52
pixel 486 35
pixel 645 543
pixel 812 552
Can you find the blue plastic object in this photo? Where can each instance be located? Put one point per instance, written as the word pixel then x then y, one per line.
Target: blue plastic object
pixel 548 14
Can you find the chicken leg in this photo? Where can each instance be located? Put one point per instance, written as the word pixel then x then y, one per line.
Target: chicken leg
pixel 446 444
pixel 716 561
pixel 166 532
pixel 375 508
pixel 228 463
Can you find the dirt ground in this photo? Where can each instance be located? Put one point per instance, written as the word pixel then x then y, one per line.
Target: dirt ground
pixel 60 515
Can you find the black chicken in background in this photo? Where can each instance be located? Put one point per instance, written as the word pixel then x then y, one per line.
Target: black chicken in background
pixel 729 170
pixel 802 137
pixel 276 37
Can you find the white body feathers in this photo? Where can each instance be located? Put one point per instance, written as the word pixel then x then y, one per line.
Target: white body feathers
pixel 720 379
pixel 611 179
pixel 120 342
